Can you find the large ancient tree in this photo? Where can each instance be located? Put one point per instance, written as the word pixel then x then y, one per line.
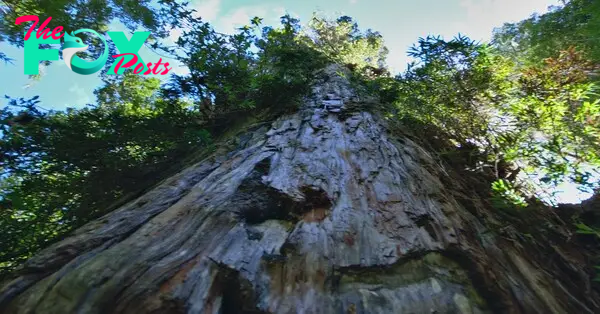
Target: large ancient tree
pixel 318 211
pixel 331 186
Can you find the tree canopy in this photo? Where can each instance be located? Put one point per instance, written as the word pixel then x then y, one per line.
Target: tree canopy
pixel 74 14
pixel 62 169
pixel 575 24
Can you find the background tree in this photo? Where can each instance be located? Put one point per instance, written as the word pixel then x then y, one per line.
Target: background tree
pixel 61 169
pixel 574 24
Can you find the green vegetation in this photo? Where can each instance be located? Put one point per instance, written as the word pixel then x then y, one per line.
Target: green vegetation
pixel 541 119
pixel 524 107
pixel 522 110
pixel 576 24
pixel 74 14
pixel 63 169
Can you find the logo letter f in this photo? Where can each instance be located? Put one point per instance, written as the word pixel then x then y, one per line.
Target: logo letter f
pixel 33 54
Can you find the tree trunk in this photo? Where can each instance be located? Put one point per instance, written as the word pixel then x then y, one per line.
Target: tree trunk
pixel 314 213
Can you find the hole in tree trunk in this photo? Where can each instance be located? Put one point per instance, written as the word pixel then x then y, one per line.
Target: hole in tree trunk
pixel 256 202
pixel 238 296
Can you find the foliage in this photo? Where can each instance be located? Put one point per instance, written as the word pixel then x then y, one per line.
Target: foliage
pixel 505 195
pixel 342 41
pixel 451 85
pixel 556 111
pixel 557 118
pixel 543 118
pixel 61 169
pixel 582 228
pixel 93 14
pixel 576 24
pixel 585 229
pixel 255 68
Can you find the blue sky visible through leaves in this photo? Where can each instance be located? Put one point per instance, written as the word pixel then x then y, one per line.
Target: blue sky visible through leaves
pixel 401 22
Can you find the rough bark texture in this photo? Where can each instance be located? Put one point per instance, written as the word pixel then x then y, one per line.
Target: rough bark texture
pixel 317 212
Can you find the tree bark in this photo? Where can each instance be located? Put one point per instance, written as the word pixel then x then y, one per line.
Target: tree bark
pixel 313 213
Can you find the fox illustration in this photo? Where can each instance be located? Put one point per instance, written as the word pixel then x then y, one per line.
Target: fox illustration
pixel 71 46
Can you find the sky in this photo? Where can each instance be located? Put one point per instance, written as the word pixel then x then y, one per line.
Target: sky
pixel 401 22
